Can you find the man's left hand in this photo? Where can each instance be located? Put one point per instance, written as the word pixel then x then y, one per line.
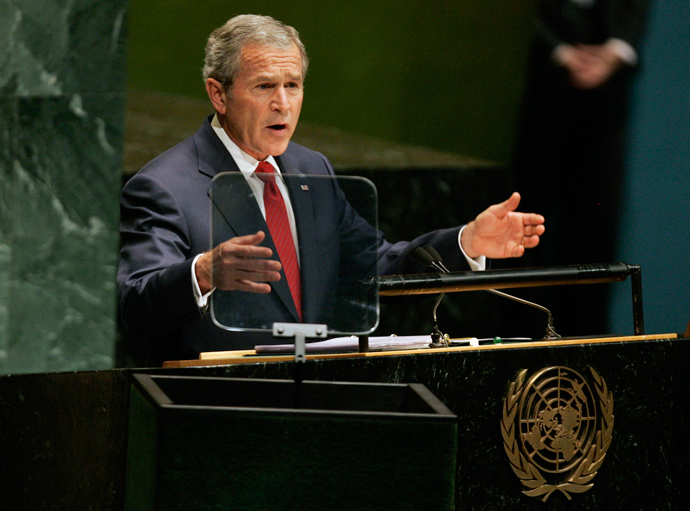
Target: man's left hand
pixel 500 231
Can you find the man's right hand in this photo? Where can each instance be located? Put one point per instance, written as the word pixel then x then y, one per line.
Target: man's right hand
pixel 238 264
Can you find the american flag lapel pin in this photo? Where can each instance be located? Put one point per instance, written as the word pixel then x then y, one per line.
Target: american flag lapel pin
pixel 305 188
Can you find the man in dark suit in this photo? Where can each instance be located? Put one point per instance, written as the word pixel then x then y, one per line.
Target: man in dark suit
pixel 570 139
pixel 254 72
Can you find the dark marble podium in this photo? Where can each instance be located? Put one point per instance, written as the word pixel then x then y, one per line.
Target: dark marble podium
pixel 63 436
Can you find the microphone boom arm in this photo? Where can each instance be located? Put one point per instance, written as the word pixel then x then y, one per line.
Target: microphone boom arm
pixel 432 283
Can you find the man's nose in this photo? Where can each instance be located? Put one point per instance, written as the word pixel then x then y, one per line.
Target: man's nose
pixel 280 100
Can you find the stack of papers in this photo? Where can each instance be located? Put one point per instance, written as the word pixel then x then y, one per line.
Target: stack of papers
pixel 351 344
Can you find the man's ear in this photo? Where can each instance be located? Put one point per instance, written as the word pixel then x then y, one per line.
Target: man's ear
pixel 216 93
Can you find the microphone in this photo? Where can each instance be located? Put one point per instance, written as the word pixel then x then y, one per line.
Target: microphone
pixel 437 264
pixel 422 256
pixel 425 257
pixel 436 257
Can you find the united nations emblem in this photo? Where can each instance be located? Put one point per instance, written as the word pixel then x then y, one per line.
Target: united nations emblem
pixel 556 431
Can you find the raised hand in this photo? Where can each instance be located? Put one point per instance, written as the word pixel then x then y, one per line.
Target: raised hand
pixel 500 232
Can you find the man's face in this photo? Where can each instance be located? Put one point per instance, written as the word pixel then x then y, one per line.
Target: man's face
pixel 264 102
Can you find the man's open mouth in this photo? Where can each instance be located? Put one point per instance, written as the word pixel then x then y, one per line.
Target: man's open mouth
pixel 278 127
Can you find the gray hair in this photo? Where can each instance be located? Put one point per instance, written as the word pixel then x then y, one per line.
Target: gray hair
pixel 225 45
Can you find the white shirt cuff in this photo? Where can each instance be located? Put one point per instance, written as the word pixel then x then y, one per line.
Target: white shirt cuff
pixel 557 53
pixel 626 52
pixel 201 300
pixel 477 264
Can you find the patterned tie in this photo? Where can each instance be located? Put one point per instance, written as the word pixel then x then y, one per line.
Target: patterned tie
pixel 278 225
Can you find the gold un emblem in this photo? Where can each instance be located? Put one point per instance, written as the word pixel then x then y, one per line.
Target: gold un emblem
pixel 556 431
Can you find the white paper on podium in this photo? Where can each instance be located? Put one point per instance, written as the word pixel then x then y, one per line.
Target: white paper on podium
pixel 351 343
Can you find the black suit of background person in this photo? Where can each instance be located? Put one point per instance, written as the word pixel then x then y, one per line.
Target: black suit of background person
pixel 570 143
pixel 254 75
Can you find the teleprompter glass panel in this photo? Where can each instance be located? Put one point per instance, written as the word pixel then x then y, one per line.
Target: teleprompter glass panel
pixel 337 239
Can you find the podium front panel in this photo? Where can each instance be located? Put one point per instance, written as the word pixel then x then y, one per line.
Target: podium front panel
pixel 231 444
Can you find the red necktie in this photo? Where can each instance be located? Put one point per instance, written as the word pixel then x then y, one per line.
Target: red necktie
pixel 278 225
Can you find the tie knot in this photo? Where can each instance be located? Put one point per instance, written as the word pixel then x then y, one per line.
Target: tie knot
pixel 265 172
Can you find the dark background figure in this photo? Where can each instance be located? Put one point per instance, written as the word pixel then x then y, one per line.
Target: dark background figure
pixel 570 142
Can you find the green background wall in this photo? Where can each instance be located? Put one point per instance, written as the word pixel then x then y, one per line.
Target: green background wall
pixel 442 74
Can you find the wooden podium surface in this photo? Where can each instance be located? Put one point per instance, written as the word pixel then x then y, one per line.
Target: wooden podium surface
pixel 251 357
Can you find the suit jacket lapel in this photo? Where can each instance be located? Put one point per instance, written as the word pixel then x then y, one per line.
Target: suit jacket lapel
pixel 230 195
pixel 239 215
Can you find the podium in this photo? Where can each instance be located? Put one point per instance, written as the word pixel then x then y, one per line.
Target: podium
pixel 64 436
pixel 639 393
pixel 250 444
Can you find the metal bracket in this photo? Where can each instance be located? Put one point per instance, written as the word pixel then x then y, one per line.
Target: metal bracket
pixel 300 332
pixel 635 272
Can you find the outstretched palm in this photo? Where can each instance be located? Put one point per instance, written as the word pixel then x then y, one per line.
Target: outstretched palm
pixel 500 232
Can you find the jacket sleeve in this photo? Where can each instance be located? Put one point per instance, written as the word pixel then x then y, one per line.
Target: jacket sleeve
pixel 625 19
pixel 154 276
pixel 393 258
pixel 564 21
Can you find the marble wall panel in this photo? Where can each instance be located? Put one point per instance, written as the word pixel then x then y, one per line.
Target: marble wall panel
pixel 56 47
pixel 62 104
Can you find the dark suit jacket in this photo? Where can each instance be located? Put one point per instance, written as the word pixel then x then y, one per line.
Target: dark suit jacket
pixel 569 151
pixel 564 21
pixel 165 211
pixel 569 143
